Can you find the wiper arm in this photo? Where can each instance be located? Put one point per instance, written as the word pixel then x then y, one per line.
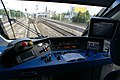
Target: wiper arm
pixel 28 28
pixel 8 19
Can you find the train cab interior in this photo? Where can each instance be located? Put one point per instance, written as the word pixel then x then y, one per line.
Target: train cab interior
pixel 95 55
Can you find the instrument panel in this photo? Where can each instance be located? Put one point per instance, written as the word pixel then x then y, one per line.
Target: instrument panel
pixel 53 54
pixel 69 49
pixel 65 49
pixel 77 43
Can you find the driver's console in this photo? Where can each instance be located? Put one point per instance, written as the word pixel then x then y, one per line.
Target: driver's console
pixel 59 57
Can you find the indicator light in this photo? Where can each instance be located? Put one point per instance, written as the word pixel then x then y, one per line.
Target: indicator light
pixel 67 47
pixel 30 43
pixel 24 44
pixel 73 46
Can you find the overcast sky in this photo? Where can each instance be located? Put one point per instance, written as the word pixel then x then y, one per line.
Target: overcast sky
pixel 58 7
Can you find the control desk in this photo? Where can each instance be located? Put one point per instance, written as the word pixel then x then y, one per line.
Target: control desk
pixel 50 55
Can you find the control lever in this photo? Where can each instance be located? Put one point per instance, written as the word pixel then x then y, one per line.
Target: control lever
pixel 87 53
pixel 95 53
pixel 58 57
pixel 106 55
pixel 49 57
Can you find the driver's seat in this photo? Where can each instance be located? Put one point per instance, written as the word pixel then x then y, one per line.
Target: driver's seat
pixel 114 75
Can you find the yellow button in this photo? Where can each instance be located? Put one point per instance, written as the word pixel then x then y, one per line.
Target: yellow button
pixel 30 43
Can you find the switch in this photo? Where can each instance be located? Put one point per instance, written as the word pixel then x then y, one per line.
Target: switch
pixel 87 54
pixel 30 43
pixel 49 57
pixel 46 60
pixel 106 52
pixel 43 57
pixel 58 57
pixel 24 44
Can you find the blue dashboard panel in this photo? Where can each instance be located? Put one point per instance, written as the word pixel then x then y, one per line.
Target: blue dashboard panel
pixel 41 67
pixel 59 60
pixel 92 60
pixel 2 48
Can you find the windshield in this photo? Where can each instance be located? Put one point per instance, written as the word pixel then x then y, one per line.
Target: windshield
pixel 32 19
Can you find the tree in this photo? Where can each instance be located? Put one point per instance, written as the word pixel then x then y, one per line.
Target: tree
pixel 87 17
pixel 57 17
pixel 16 13
pixel 54 17
pixel 13 13
pixel 68 13
pixel 2 12
pixel 81 17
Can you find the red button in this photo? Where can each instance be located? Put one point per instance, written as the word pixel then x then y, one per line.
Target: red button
pixel 24 44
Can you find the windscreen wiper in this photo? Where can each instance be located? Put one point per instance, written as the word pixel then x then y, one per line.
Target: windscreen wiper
pixel 8 19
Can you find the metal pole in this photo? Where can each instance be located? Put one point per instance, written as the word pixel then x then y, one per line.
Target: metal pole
pixel 36 11
pixel 60 12
pixel 43 11
pixel 9 13
pixel 22 8
pixel 85 17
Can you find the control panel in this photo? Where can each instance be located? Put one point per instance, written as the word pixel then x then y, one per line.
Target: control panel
pixel 66 56
pixel 32 58
pixel 18 51
pixel 66 50
pixel 52 51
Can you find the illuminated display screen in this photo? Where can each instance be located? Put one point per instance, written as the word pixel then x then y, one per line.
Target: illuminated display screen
pixel 93 46
pixel 25 56
pixel 102 28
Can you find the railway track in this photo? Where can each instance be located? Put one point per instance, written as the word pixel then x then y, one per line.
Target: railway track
pixel 22 29
pixel 27 31
pixel 7 24
pixel 60 30
pixel 16 28
pixel 66 25
pixel 31 29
